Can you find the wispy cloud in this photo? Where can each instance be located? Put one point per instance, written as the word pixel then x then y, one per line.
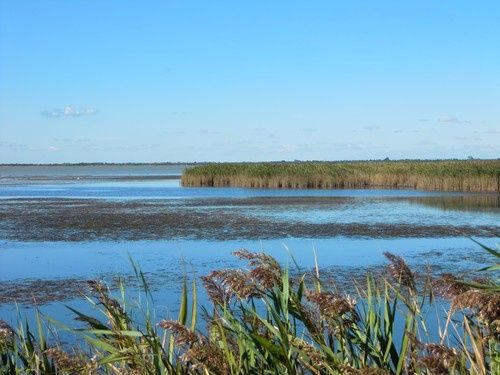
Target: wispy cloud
pixel 425 142
pixel 449 119
pixel 452 120
pixel 371 127
pixel 173 132
pixel 210 132
pixel 13 146
pixel 286 149
pixel 462 138
pixel 69 111
pixel 367 129
pixel 406 131
pixel 27 147
pixel 493 132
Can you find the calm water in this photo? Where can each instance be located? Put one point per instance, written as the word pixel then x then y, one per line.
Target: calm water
pixel 28 263
pixel 28 172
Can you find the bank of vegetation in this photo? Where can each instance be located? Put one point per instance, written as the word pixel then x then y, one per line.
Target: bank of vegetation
pixel 445 175
pixel 262 320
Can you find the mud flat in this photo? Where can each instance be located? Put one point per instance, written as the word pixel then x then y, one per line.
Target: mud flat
pixel 45 219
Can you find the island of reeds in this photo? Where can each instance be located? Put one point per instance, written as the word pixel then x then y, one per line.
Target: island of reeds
pixel 444 175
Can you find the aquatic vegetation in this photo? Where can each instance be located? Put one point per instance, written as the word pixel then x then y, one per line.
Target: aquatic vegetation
pixel 445 175
pixel 86 219
pixel 262 320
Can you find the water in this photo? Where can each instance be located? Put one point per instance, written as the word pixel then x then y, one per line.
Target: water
pixel 63 225
pixel 32 172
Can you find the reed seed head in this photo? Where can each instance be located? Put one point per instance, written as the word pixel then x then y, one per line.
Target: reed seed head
pixel 257 326
pixel 257 259
pixel 6 333
pixel 400 271
pixel 449 286
pixel 97 286
pixel 237 282
pixel 183 335
pixel 439 359
pixel 265 270
pixel 267 277
pixel 309 354
pixel 215 292
pixel 347 369
pixel 332 305
pixel 485 304
pixel 223 285
pixel 206 356
pixel 64 361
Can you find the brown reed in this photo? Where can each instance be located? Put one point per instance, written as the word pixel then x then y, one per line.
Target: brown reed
pixel 446 175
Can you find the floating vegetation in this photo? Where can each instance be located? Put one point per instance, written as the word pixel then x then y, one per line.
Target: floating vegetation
pixel 85 220
pixel 444 175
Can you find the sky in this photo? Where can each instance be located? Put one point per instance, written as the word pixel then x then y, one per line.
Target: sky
pixel 168 81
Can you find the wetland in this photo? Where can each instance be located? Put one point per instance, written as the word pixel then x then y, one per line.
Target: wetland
pixel 63 225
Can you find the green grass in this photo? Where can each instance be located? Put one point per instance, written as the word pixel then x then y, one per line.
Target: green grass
pixel 264 321
pixel 449 175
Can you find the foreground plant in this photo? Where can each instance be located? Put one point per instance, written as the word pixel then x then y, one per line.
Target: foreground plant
pixel 262 320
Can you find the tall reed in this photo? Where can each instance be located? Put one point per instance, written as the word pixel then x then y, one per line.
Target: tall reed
pixel 446 175
pixel 262 320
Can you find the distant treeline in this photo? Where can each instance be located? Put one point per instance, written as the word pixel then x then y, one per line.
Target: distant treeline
pixel 446 175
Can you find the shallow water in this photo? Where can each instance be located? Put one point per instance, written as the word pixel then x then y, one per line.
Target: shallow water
pixel 60 230
pixel 61 171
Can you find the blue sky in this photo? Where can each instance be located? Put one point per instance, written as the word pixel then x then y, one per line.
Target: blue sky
pixel 119 81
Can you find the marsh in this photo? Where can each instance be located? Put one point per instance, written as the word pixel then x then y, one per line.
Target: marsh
pixel 61 226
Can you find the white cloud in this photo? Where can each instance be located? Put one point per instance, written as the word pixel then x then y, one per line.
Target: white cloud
pixel 449 119
pixel 371 127
pixel 210 132
pixel 408 131
pixel 286 149
pixel 69 111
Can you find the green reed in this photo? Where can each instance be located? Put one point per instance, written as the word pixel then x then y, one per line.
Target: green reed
pixel 450 175
pixel 262 320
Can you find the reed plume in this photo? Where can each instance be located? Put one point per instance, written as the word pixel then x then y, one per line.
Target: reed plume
pixel 6 333
pixel 65 362
pixel 400 271
pixel 332 305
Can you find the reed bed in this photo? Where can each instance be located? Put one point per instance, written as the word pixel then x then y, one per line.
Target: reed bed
pixel 263 321
pixel 445 175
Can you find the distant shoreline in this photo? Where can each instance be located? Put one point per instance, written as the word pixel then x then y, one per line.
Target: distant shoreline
pixel 90 164
pixel 236 162
pixel 90 178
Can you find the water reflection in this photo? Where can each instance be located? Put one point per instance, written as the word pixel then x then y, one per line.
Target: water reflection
pixel 469 202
